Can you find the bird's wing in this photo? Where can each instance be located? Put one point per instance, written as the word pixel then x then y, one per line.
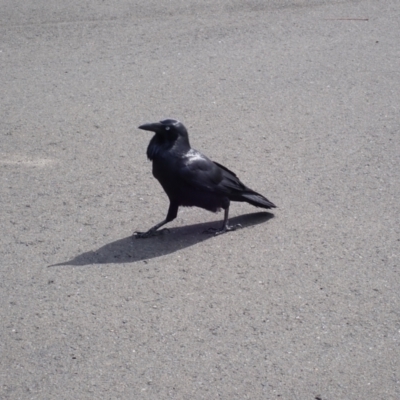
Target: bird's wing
pixel 237 191
pixel 230 180
pixel 199 171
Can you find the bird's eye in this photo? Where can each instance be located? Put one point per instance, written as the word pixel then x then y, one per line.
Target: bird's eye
pixel 167 128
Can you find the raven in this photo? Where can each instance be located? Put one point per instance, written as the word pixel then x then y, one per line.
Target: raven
pixel 189 178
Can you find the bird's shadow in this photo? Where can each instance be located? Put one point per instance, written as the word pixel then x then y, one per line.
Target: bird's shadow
pixel 129 249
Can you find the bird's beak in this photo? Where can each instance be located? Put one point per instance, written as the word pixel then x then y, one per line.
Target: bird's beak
pixel 152 127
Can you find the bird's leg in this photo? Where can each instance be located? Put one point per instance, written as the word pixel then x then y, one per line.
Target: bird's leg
pixel 172 213
pixel 225 226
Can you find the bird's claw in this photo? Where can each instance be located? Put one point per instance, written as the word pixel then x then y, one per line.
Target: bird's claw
pixel 150 233
pixel 226 228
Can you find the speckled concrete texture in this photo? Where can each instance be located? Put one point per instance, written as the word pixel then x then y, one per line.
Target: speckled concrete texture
pixel 301 99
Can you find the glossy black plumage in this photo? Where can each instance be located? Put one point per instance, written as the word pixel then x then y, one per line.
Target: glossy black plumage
pixel 189 178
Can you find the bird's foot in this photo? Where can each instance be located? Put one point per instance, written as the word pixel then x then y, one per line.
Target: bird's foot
pixel 149 233
pixel 226 228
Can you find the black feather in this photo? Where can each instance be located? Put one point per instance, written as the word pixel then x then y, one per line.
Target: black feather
pixel 189 178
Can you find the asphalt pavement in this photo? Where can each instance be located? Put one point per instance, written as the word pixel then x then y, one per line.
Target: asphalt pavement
pixel 301 99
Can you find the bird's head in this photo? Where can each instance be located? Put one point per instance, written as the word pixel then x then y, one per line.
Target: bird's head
pixel 169 133
pixel 168 129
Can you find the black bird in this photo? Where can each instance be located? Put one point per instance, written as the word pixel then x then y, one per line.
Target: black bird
pixel 190 178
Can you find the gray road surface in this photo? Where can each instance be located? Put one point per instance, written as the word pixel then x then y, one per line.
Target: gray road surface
pixel 301 99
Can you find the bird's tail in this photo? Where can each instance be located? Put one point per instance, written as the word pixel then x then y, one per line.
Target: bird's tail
pixel 257 199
